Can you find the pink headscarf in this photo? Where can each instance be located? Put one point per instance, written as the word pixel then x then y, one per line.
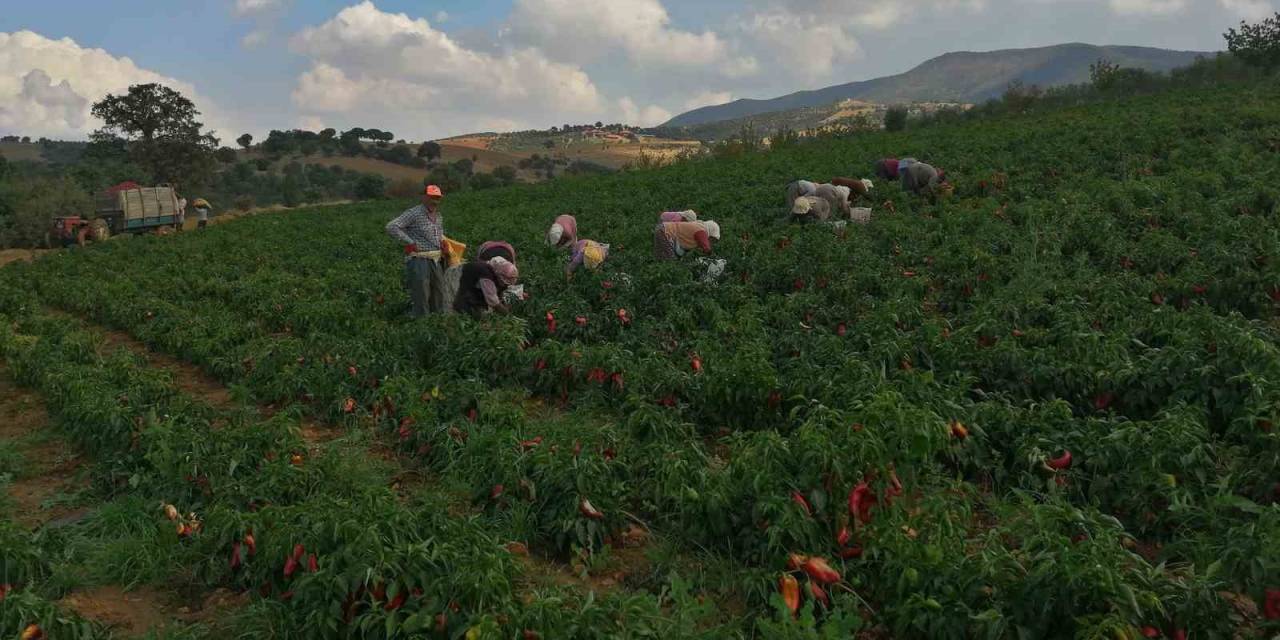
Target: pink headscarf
pixel 506 271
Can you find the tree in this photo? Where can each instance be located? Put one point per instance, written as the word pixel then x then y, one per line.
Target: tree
pixel 160 127
pixel 245 140
pixel 506 174
pixel 429 150
pixel 328 134
pixel 1102 74
pixel 895 119
pixel 226 155
pixel 1256 44
pixel 370 187
pixel 550 144
pixel 26 139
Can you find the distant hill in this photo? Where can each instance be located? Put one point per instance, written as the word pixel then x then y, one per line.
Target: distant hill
pixel 956 77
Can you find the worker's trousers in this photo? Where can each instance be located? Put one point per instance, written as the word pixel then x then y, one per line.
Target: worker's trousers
pixel 424 279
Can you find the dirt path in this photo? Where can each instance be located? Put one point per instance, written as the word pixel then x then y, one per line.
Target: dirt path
pixel 20 255
pixel 47 478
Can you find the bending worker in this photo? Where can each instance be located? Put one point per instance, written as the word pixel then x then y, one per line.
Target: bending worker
pixel 482 283
pixel 674 239
pixel 563 232
pixel 688 215
pixel 497 249
pixel 918 176
pixel 800 188
pixel 588 252
pixel 421 230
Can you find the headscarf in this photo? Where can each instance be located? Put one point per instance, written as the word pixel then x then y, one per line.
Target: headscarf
pixel 713 229
pixel 802 206
pixel 593 254
pixel 554 234
pixel 689 215
pixel 505 270
pixel 867 183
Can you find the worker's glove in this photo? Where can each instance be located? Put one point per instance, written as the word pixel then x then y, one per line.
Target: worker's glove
pixel 410 249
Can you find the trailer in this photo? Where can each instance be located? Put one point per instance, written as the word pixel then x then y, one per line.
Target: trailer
pixel 128 208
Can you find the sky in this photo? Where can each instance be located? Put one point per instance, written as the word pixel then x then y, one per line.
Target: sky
pixel 426 69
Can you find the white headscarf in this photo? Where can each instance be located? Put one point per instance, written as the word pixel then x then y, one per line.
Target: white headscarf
pixel 689 215
pixel 802 206
pixel 554 234
pixel 867 183
pixel 713 229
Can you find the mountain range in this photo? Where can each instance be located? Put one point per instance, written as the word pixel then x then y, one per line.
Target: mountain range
pixel 968 77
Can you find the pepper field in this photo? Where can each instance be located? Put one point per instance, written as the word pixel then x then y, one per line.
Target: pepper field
pixel 1041 408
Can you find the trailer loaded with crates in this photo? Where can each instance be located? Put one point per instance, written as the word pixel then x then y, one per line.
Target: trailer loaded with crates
pixel 128 208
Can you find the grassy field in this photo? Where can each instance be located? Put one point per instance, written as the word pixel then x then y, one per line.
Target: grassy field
pixel 1041 408
pixel 17 151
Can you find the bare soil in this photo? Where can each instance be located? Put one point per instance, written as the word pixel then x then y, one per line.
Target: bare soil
pixel 53 468
pixel 129 614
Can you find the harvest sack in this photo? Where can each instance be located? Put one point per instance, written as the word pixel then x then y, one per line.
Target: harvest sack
pixel 452 277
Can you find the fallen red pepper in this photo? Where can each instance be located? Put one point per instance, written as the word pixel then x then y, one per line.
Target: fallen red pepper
pixel 819 595
pixel 529 444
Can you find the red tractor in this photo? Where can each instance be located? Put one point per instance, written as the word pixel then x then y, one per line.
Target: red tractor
pixel 75 230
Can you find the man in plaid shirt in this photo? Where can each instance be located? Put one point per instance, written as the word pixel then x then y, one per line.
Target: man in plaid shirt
pixel 421 230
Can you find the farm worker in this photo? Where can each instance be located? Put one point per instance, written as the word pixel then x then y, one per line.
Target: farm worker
pixel 497 249
pixel 857 187
pixel 586 252
pixel 421 230
pixel 798 188
pixel 688 215
pixel 482 283
pixel 563 232
pixel 674 239
pixel 810 207
pixel 202 212
pixel 891 168
pixel 836 197
pixel 919 176
pixel 182 213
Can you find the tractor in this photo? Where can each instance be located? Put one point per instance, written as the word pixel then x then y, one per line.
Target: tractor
pixel 75 230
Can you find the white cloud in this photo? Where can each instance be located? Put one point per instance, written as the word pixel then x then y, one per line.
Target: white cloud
pixel 1148 7
pixel 248 7
pixel 311 123
pixel 707 98
pixel 255 38
pixel 640 30
pixel 649 116
pixel 47 86
pixel 404 70
pixel 1249 9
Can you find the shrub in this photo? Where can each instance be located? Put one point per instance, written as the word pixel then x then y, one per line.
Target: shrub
pixel 370 187
pixel 243 203
pixel 895 119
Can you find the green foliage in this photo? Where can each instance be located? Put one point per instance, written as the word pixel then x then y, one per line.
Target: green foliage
pixel 1257 44
pixel 29 204
pixel 895 119
pixel 245 141
pixel 370 187
pixel 160 129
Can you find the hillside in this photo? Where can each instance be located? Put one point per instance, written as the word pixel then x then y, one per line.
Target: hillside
pixel 966 77
pixel 1041 408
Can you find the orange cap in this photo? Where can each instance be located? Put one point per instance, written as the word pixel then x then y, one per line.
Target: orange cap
pixel 434 191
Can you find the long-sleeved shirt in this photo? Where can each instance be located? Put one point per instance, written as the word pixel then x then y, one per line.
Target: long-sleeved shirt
pixel 800 188
pixel 690 235
pixel 918 176
pixel 490 290
pixel 578 255
pixel 836 197
pixel 570 226
pixel 418 226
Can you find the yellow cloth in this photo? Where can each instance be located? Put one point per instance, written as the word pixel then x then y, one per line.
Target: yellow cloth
pixel 592 255
pixel 456 250
pixel 201 202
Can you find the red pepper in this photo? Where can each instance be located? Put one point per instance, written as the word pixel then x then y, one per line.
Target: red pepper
pixel 581 321
pixel 790 590
pixel 849 553
pixel 540 364
pixel 1061 462
pixel 795 561
pixel 1102 401
pixel 496 491
pixel 313 564
pixel 819 570
pixel 1150 632
pixel 623 317
pixel 798 498
pixel 609 453
pixel 819 595
pixel 471 414
pixel 775 399
pixel 396 602
pixel 251 543
pixel 551 322
pixel 529 444
pixel 4 590
pixel 290 567
pixel 587 510
pixel 577 448
pixel 696 363
pixel 298 551
pixel 1271 606
pixel 616 379
pixel 841 329
pixel 861 500
pixel 798 285
pixel 1179 634
pixel 235 555
pixel 843 537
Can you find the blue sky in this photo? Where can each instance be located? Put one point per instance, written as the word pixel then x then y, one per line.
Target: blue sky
pixel 441 67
